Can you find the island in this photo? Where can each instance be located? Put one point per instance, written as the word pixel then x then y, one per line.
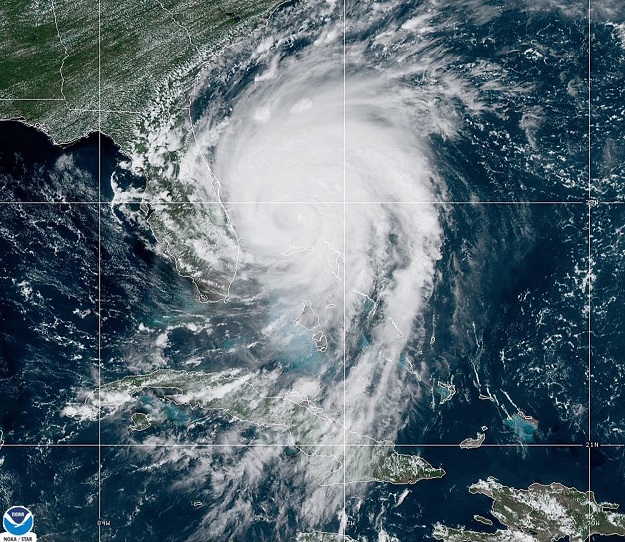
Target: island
pixel 140 422
pixel 445 391
pixel 397 468
pixel 469 443
pixel 319 536
pixel 240 398
pixel 541 513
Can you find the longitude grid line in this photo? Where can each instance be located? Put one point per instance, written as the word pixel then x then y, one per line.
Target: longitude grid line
pixel 344 518
pixel 589 97
pixel 99 523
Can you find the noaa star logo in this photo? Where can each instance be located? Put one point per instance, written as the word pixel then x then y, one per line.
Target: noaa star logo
pixel 17 521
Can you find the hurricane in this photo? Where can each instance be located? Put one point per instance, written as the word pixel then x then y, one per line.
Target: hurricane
pixel 317 166
pixel 332 193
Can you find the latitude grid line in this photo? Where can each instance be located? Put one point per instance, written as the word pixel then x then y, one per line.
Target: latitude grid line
pixel 100 445
pixel 372 202
pixel 390 202
pixel 302 444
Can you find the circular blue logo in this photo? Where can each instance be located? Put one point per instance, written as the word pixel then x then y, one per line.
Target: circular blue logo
pixel 17 520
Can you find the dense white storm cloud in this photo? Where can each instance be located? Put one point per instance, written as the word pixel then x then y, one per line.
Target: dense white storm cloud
pixel 322 198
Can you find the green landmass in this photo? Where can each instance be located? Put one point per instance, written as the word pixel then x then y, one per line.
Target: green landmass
pixel 129 70
pixel 541 513
pixel 140 422
pixel 184 232
pixel 307 425
pixel 323 537
pixel 138 64
pixel 404 469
